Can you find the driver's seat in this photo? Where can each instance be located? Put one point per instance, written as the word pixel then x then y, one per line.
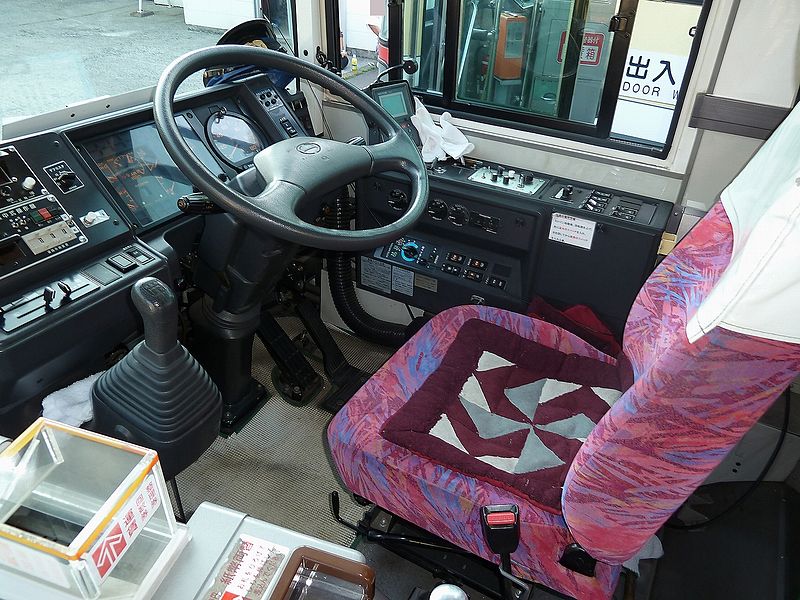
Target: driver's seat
pixel 488 407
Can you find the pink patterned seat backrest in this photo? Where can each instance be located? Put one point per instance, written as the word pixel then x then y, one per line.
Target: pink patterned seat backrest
pixel 687 406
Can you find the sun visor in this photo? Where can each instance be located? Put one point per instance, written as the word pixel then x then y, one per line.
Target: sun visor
pixel 759 292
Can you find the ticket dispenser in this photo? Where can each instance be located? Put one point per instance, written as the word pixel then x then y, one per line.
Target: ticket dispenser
pixel 508 61
pixel 510 44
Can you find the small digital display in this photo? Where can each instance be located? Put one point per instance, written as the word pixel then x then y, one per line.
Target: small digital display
pixel 395 101
pixel 140 170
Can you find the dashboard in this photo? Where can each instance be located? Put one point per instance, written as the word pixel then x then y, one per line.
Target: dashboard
pixel 501 234
pixel 90 208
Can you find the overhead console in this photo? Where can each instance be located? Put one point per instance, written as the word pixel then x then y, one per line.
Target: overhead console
pixel 500 234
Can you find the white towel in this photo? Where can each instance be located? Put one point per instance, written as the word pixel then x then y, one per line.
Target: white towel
pixel 439 140
pixel 71 405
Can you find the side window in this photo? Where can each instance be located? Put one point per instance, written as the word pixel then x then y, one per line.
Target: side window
pixel 281 14
pixel 603 71
pixel 545 57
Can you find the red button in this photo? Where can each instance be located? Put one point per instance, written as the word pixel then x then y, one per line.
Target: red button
pixel 45 213
pixel 501 518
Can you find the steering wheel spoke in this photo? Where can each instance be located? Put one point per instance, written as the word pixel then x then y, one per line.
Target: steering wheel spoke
pixel 396 154
pixel 281 199
pixel 298 170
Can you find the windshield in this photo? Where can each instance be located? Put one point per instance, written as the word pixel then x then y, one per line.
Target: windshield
pixel 64 52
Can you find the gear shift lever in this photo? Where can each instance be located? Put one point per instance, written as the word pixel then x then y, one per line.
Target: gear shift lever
pixel 159 310
pixel 158 395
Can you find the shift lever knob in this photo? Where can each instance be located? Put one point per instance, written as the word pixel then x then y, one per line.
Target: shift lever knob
pixel 448 591
pixel 159 309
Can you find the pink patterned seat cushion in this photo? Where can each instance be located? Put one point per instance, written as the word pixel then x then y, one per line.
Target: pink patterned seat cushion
pixel 434 496
pixel 506 410
pixel 685 406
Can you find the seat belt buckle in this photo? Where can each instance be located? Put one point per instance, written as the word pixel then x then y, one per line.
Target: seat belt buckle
pixel 500 523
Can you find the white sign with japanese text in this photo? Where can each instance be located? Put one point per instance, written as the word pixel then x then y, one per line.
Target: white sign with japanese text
pixel 653 77
pixel 251 566
pixel 572 230
pixel 124 529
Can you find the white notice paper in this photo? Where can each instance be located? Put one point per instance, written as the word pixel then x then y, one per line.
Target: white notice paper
pixel 572 230
pixel 376 274
pixel 402 281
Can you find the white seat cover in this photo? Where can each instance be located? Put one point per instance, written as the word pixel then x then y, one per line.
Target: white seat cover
pixel 759 292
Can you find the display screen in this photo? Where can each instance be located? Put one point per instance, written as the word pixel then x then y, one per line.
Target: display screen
pixel 395 101
pixel 137 166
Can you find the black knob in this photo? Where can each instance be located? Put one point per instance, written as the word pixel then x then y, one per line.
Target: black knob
pixel 506 177
pixel 65 288
pixel 65 180
pixel 159 309
pixel 48 294
pixel 528 178
pixel 568 191
pixel 494 175
pixel 410 251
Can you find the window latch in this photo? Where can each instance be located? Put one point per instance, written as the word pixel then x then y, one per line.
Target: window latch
pixel 619 24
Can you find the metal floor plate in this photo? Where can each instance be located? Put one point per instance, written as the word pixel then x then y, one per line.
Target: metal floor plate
pixel 278 467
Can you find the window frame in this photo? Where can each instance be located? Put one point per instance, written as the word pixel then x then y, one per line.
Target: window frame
pixel 598 135
pixel 263 8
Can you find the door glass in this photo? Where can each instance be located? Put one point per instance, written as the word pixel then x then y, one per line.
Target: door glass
pixel 545 57
pixel 424 27
pixel 662 39
pixel 279 13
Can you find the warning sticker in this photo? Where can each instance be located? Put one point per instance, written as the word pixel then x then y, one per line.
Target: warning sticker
pixel 572 230
pixel 403 281
pixel 376 274
pixel 125 528
pixel 248 571
pixel 591 48
pixel 426 283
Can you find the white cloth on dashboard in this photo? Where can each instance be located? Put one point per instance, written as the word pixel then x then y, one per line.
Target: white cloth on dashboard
pixel 71 405
pixel 759 292
pixel 439 141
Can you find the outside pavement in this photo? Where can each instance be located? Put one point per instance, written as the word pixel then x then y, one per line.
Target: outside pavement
pixel 61 52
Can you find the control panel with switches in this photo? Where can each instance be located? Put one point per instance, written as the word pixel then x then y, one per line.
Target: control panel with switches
pixel 435 260
pixel 34 225
pixel 604 202
pixel 508 179
pixel 500 235
pixel 61 293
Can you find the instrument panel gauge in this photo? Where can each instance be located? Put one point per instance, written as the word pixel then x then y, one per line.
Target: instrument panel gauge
pixel 234 138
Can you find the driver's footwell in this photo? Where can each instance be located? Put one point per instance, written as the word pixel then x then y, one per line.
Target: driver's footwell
pixel 277 468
